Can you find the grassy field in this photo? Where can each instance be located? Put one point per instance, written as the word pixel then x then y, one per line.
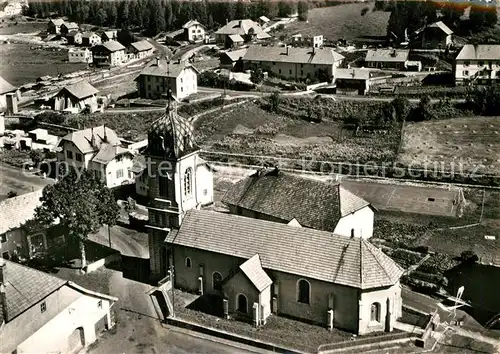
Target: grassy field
pixel 250 129
pixel 344 21
pixel 472 142
pixel 25 27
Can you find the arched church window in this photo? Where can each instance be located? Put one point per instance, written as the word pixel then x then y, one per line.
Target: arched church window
pixel 188 182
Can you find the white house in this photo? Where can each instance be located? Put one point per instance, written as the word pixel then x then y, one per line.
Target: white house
pixel 140 50
pixel 41 312
pixel 247 29
pixel 194 31
pixel 98 149
pixel 83 55
pixel 160 76
pixel 76 97
pixel 110 53
pixel 478 63
pixel 8 94
pixel 281 197
pixel 387 58
pixel 294 63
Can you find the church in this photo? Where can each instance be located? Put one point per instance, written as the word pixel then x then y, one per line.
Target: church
pixel 256 268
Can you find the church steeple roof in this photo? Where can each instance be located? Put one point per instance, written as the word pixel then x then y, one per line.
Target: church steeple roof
pixel 171 136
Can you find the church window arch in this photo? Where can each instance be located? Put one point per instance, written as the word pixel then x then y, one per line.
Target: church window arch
pixel 188 182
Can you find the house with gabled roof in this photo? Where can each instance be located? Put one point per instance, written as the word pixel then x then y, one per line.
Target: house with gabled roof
pixel 161 75
pixel 67 27
pixel 247 29
pixel 35 305
pixel 387 58
pixel 9 95
pixel 140 49
pixel 435 35
pixel 260 267
pixel 271 194
pixel 98 149
pixel 194 31
pixel 54 25
pixel 109 53
pixel 89 39
pixel 294 63
pixel 76 97
pixel 477 63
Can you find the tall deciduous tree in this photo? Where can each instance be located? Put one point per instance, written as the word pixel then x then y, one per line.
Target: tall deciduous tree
pixel 82 204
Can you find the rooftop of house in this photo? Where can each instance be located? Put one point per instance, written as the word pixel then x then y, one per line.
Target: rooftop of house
pixel 439 25
pixel 252 269
pixel 56 21
pixel 242 27
pixel 113 46
pixel 479 52
pixel 91 139
pixel 304 252
pixel 16 211
pixel 110 34
pixel 108 153
pixel 80 90
pixel 235 55
pixel 142 46
pixel 264 19
pixel 72 33
pixel 70 25
pixel 25 287
pixel 236 38
pixel 314 204
pixel 164 68
pixel 89 34
pixel 352 74
pixel 387 55
pixel 6 87
pixel 192 23
pixel 295 55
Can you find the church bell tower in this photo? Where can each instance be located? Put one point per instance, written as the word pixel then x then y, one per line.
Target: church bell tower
pixel 178 180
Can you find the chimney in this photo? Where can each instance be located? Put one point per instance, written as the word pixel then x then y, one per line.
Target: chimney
pixel 287 50
pixel 157 61
pixel 239 23
pixel 3 295
pixel 227 21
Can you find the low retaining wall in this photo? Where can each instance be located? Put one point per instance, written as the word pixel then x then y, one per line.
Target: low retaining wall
pixel 229 336
pixel 431 326
pixel 375 341
pixel 114 257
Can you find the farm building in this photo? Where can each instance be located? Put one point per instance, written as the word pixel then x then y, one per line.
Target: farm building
pixel 35 305
pixel 272 194
pixel 83 55
pixel 478 63
pixel 247 29
pixel 310 41
pixel 235 41
pixel 76 97
pixel 140 50
pixel 436 35
pixel 294 63
pixel 161 75
pixel 232 60
pixel 352 81
pixel 74 37
pixel 67 27
pixel 110 53
pixel 90 39
pixel 194 31
pixel 54 25
pixel 98 149
pixel 9 95
pixel 387 58
pixel 263 21
pixel 111 35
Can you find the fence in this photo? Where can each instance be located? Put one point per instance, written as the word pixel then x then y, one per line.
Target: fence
pixel 365 341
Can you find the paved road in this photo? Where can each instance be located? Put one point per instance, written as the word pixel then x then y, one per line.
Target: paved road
pixel 17 180
pixel 138 329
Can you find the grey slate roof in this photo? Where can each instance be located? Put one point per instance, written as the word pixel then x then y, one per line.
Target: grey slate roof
pixel 166 69
pixel 25 286
pixel 353 73
pixel 82 138
pixel 295 55
pixel 242 27
pixel 192 23
pixel 479 52
pixel 236 38
pixel 441 26
pixel 387 55
pixel 15 211
pixel 236 55
pixel 113 46
pixel 89 34
pixel 57 21
pixel 72 33
pixel 81 89
pixel 70 25
pixel 254 272
pixel 108 152
pixel 300 251
pixel 5 87
pixel 314 204
pixel 142 46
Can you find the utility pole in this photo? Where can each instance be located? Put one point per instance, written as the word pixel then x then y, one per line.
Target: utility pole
pixel 171 271
pixel 109 236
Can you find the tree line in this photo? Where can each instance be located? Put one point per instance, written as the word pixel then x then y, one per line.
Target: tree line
pixel 155 16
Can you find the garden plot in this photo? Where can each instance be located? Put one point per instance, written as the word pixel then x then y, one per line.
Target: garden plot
pixel 461 144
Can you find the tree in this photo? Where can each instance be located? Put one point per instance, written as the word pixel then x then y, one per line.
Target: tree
pixel 401 107
pixel 275 101
pixel 284 9
pixel 270 8
pixel 37 156
pixel 257 76
pixel 81 203
pixel 123 15
pixel 112 14
pixel 241 10
pixel 169 16
pixel 101 17
pixel 156 18
pixel 481 17
pixel 303 9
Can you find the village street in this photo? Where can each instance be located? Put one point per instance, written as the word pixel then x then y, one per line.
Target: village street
pixel 138 329
pixel 14 179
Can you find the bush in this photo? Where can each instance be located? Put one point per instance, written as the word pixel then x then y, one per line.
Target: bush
pixel 364 11
pixel 50 117
pixel 469 256
pixel 37 156
pixel 275 101
pixel 12 194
